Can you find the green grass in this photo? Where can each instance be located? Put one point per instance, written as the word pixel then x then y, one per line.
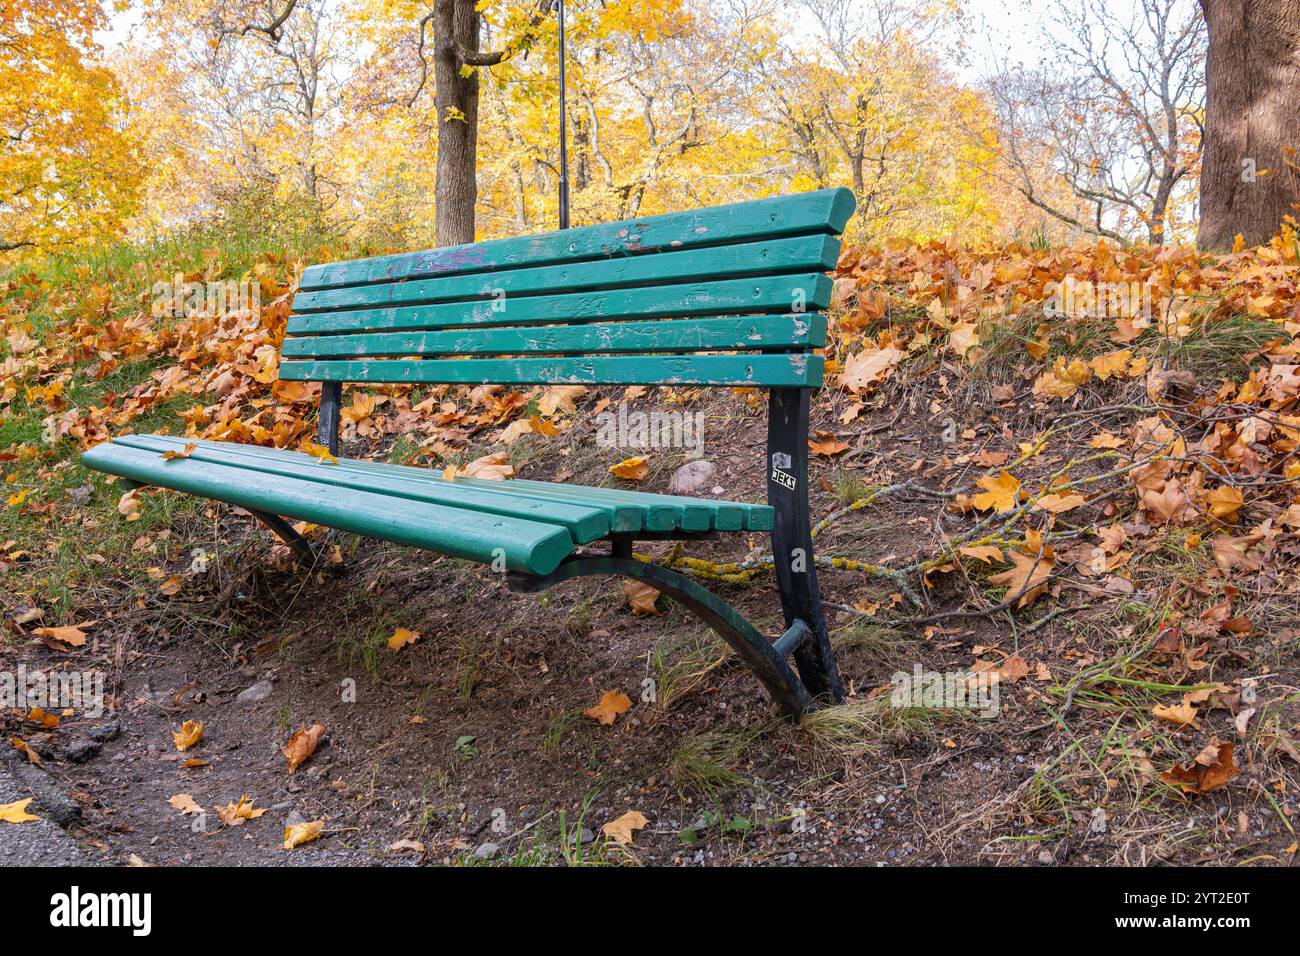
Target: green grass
pixel 710 762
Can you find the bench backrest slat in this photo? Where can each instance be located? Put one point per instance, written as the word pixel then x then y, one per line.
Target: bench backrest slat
pixel 665 300
pixel 729 333
pixel 826 211
pixel 795 370
pixel 765 294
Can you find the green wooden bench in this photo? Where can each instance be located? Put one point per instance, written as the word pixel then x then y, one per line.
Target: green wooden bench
pixel 727 296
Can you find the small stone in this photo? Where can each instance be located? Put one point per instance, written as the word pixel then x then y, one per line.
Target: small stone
pixel 586 836
pixel 257 693
pixel 81 750
pixel 485 851
pixel 1045 858
pixel 691 477
pixel 108 730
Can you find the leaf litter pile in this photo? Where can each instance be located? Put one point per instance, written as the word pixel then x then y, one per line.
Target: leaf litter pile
pixel 1070 472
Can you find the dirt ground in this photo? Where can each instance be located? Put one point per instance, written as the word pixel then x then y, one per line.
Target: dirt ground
pixel 470 745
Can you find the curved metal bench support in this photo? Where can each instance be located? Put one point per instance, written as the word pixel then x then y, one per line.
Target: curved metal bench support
pixel 761 655
pixel 284 531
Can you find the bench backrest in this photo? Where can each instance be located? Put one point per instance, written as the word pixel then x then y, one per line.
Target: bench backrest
pixel 729 295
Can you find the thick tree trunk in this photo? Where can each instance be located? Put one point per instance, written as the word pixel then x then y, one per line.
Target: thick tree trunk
pixel 1250 177
pixel 456 26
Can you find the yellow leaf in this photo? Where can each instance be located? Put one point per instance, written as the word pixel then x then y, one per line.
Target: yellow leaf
pixel 16 812
pixel 234 814
pixel 16 500
pixel 72 635
pixel 611 704
pixel 633 469
pixel 302 745
pixel 1184 714
pixel 1225 502
pixel 300 833
pixel 1001 492
pixel 319 452
pixel 401 637
pixel 1112 364
pixel 620 830
pixel 191 733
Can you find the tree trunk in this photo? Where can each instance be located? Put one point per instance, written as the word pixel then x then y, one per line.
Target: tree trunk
pixel 456 27
pixel 1251 173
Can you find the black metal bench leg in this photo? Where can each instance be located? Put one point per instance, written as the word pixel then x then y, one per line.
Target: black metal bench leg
pixel 296 542
pixel 792 547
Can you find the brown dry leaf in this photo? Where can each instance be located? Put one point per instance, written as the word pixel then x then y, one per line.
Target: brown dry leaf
pixel 185 803
pixel 1001 492
pixel 128 506
pixel 560 399
pixel 302 745
pixel 234 814
pixel 632 469
pixel 990 459
pixel 25 749
pixel 1106 440
pixel 983 552
pixel 1168 504
pixel 1208 770
pixel 1025 576
pixel 17 812
pixel 1184 714
pixel 611 704
pixel 74 635
pixel 1012 670
pixel 405 846
pixel 191 733
pixel 827 445
pixel 402 637
pixel 300 833
pixel 620 830
pixel 172 586
pixel 1059 504
pixel 172 454
pixel 641 597
pixel 494 467
pixel 869 367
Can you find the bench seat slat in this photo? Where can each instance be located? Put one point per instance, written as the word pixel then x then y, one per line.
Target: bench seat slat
pixel 825 210
pixel 796 255
pixel 765 294
pixel 626 511
pixel 585 523
pixel 736 332
pixel 795 370
pixel 533 547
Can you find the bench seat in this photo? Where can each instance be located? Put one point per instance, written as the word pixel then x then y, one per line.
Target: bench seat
pixel 536 523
